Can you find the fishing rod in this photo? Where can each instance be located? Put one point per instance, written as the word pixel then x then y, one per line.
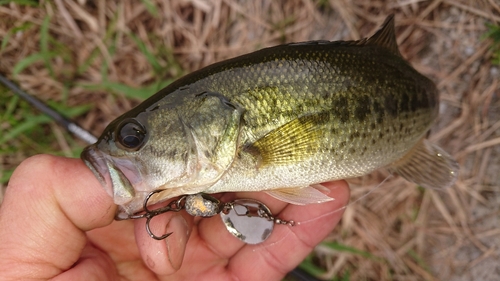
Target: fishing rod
pixel 84 135
pixel 66 123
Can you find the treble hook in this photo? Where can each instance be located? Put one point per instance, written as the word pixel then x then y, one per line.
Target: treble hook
pixel 174 206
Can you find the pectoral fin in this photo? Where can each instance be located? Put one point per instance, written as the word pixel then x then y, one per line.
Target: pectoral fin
pixel 299 196
pixel 428 166
pixel 293 142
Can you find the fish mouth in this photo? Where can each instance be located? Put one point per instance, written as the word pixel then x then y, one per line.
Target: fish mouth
pixel 116 175
pixel 123 179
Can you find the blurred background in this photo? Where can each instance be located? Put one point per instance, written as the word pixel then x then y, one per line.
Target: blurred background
pixel 93 60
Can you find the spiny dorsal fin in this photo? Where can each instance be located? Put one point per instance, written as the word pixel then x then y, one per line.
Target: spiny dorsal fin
pixel 384 37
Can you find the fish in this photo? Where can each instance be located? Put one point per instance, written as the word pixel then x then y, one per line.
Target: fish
pixel 281 120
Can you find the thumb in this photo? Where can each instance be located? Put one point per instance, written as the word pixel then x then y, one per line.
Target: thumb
pixel 49 204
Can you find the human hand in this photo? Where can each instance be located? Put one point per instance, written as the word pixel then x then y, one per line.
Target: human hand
pixel 56 222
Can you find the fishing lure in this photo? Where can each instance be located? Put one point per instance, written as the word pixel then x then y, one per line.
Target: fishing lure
pixel 249 220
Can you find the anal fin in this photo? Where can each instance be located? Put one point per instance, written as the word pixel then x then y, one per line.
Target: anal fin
pixel 428 166
pixel 299 196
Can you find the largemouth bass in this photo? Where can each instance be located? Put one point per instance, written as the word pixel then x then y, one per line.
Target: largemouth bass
pixel 279 120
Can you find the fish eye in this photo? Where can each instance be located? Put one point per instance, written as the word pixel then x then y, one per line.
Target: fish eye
pixel 131 134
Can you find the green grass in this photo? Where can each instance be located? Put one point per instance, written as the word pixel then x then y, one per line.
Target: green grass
pixel 20 118
pixel 151 7
pixel 309 265
pixel 493 33
pixel 25 131
pixel 347 249
pixel 23 26
pixel 419 260
pixel 140 93
pixel 152 59
pixel 45 55
pixel 32 3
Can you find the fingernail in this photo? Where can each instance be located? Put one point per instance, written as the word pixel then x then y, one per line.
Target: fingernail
pixel 176 243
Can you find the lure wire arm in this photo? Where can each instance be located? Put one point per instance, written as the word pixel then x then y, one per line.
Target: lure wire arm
pixel 174 206
pixel 261 211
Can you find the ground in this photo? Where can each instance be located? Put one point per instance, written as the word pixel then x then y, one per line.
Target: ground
pixel 94 60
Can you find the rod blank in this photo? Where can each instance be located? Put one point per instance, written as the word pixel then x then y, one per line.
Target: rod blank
pixel 69 125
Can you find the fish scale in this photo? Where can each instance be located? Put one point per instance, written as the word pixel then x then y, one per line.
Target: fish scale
pixel 278 120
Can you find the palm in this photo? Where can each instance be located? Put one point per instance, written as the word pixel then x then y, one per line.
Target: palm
pixel 211 252
pixel 67 230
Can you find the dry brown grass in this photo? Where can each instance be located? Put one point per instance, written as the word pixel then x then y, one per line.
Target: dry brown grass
pixel 416 234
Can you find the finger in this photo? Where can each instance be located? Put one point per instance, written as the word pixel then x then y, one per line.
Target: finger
pixel 165 256
pixel 92 265
pixel 118 241
pixel 49 203
pixel 288 246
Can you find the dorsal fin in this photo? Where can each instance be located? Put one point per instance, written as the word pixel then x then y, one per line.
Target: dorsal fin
pixel 384 37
